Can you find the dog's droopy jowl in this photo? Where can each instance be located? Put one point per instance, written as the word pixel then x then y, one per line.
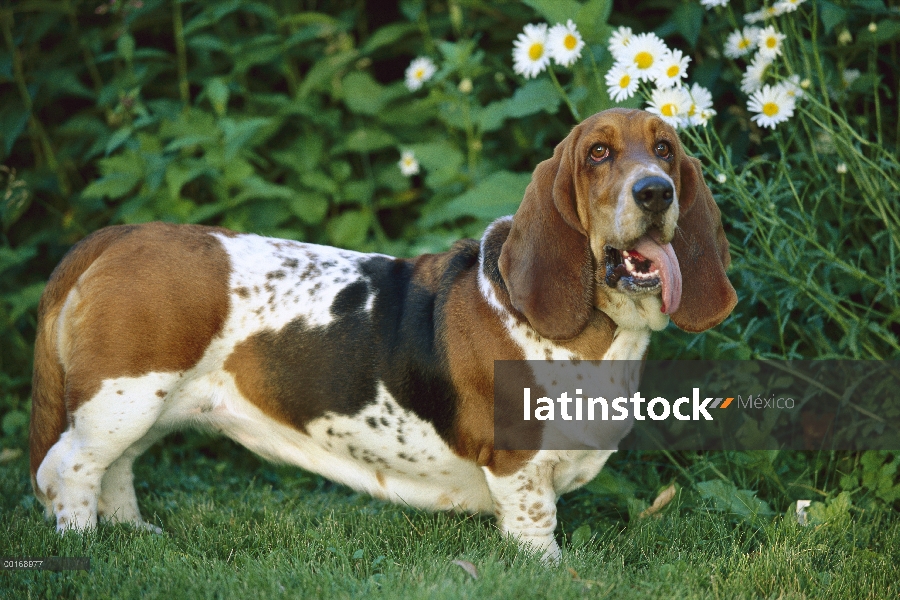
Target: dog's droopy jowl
pixel 374 371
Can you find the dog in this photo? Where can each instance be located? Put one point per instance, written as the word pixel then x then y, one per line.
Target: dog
pixel 373 371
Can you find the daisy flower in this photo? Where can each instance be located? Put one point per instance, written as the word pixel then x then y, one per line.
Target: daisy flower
pixel 409 166
pixel 713 3
pixel 786 6
pixel 622 82
pixel 753 77
pixel 418 72
pixel 767 12
pixel 671 105
pixel 741 42
pixel 619 40
pixel 644 52
pixel 530 55
pixel 771 105
pixel 849 76
pixel 672 69
pixel 792 87
pixel 700 110
pixel 565 43
pixel 769 42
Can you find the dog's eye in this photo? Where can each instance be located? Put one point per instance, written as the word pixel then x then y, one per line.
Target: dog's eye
pixel 663 150
pixel 599 152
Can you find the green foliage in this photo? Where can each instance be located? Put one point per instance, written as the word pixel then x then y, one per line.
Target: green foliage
pixel 265 117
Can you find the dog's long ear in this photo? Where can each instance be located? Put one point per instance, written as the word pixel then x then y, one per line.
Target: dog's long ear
pixel 707 296
pixel 546 260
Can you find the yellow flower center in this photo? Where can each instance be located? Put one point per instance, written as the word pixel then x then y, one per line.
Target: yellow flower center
pixel 643 60
pixel 771 42
pixel 770 109
pixel 673 71
pixel 570 42
pixel 419 74
pixel 668 110
pixel 693 110
pixel 536 51
pixel 744 44
pixel 625 81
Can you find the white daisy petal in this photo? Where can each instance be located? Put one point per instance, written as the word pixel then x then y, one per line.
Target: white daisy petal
pixel 701 110
pixel 713 3
pixel 409 166
pixel 564 43
pixel 767 12
pixel 619 40
pixel 791 86
pixel 621 82
pixel 769 42
pixel 644 52
pixel 672 105
pixel 771 105
pixel 671 69
pixel 418 72
pixel 741 42
pixel 753 76
pixel 530 55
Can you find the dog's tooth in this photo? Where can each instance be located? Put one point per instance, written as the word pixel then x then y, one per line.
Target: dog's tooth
pixel 629 265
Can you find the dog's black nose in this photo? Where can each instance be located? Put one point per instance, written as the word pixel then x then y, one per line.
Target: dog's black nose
pixel 653 194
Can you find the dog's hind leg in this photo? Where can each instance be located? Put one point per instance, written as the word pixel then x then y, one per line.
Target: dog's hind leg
pixel 106 432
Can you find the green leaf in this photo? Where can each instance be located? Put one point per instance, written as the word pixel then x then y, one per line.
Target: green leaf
pixel 688 20
pixel 387 35
pixel 555 11
pixel 349 229
pixel 887 31
pixel 438 155
pixel 591 21
pixel 14 257
pixel 318 181
pixel 834 510
pixel 609 483
pixel 831 15
pixel 727 498
pixel 13 421
pixel 13 118
pixel 366 140
pixel 25 300
pixel 581 536
pixel 309 206
pixel 362 94
pixel 217 92
pixel 238 134
pixel 113 186
pixel 498 195
pixel 533 97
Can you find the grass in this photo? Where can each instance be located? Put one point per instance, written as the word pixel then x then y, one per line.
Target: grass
pixel 236 527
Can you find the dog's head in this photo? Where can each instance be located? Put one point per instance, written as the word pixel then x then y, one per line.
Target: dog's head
pixel 618 218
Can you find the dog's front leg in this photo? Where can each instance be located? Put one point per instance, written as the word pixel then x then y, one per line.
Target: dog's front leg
pixel 525 506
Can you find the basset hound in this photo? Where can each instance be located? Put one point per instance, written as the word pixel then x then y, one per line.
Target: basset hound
pixel 373 371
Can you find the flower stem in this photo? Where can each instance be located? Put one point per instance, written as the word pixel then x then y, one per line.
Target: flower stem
pixel 562 93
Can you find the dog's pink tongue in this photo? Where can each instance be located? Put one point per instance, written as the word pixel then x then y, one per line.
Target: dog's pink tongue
pixel 663 258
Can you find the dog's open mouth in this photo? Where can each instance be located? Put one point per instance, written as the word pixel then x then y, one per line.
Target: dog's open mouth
pixel 649 267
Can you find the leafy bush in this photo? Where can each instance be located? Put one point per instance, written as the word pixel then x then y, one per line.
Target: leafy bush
pixel 263 118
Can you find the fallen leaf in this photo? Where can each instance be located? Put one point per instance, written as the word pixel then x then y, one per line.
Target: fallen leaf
pixel 664 498
pixel 467 567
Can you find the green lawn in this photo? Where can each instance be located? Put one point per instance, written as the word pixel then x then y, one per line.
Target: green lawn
pixel 235 527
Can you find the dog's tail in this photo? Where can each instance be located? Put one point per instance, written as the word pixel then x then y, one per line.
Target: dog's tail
pixel 49 416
